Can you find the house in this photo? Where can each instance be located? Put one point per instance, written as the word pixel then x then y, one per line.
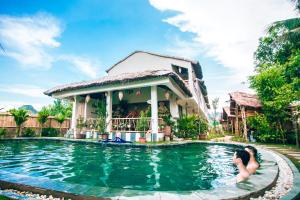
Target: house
pixel 227 120
pixel 242 106
pixel 142 81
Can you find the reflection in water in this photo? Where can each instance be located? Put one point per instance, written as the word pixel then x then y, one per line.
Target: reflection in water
pixel 180 168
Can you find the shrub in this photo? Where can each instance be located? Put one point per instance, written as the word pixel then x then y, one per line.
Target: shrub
pixel 50 132
pixel 262 130
pixel 142 123
pixel 3 131
pixel 28 132
pixel 190 126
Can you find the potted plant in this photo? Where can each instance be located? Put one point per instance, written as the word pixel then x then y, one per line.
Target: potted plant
pixel 142 125
pixel 168 121
pixel 80 125
pixel 202 128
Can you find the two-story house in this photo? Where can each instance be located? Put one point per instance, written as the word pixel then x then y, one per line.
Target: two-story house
pixel 142 81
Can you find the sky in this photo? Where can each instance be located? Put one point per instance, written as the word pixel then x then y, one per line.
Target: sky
pixel 48 43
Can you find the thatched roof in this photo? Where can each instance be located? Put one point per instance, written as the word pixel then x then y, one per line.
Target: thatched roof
pixel 195 64
pixel 245 99
pixel 122 78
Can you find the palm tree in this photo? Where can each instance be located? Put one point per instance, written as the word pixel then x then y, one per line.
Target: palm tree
pixel 20 116
pixel 60 118
pixel 43 117
pixel 291 27
pixel 215 103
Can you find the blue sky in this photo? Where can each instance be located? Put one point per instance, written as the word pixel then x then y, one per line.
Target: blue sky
pixel 48 43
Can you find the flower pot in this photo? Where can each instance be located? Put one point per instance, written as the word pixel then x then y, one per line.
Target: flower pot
pixel 168 130
pixel 142 140
pixel 202 136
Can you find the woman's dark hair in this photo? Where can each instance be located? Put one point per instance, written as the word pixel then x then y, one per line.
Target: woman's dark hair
pixel 253 149
pixel 243 155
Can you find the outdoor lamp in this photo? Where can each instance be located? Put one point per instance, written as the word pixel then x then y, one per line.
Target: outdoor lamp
pixel 121 95
pixel 167 95
pixel 87 98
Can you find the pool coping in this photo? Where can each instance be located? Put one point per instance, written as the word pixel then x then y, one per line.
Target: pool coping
pixel 55 193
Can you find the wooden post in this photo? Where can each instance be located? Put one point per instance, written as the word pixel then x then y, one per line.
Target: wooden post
pixel 243 113
pixel 236 124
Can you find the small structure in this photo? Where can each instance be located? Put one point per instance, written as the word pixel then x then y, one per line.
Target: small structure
pixel 242 105
pixel 227 120
pixel 143 81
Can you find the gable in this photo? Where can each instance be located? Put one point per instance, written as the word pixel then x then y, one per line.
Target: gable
pixel 142 61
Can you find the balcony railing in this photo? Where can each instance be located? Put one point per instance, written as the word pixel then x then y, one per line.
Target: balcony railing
pixel 121 124
pixel 130 124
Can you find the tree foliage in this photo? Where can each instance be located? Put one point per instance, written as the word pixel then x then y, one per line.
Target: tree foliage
pixel 60 107
pixel 20 116
pixel 277 81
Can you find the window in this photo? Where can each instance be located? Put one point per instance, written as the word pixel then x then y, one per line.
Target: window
pixel 181 71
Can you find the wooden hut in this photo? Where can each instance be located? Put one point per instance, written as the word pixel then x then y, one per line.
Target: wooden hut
pixel 242 106
pixel 227 120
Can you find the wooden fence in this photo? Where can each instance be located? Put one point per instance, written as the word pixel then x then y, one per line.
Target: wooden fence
pixel 7 121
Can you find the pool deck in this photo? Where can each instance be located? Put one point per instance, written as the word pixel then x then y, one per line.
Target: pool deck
pixel 254 187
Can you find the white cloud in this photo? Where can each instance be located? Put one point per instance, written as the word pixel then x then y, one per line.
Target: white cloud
pixel 227 30
pixel 26 90
pixel 85 65
pixel 27 39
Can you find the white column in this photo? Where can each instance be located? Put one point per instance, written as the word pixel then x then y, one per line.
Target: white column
pixel 174 110
pixel 154 110
pixel 87 99
pixel 74 115
pixel 108 110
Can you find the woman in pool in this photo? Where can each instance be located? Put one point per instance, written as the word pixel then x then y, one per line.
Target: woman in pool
pixel 241 159
pixel 253 164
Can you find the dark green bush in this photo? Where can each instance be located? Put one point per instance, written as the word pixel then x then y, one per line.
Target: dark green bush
pixel 190 126
pixel 28 132
pixel 50 132
pixel 262 131
pixel 3 131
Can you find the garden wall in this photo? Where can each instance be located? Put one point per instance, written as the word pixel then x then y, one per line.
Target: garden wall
pixel 7 122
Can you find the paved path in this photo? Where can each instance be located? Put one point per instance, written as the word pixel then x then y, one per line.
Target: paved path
pixel 287 151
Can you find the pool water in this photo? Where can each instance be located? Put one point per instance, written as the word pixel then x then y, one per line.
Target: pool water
pixel 179 168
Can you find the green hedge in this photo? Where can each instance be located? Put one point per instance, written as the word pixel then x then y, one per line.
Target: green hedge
pixel 50 132
pixel 28 132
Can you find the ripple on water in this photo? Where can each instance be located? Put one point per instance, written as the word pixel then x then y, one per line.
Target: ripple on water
pixel 180 168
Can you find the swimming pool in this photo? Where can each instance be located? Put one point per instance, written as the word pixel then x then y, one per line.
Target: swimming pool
pixel 100 170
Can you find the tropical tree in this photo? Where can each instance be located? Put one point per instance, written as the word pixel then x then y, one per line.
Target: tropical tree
pixel 60 118
pixel 215 103
pixel 277 80
pixel 42 118
pixel 20 116
pixel 60 107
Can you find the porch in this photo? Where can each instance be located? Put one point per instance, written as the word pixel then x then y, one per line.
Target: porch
pixel 123 110
pixel 126 100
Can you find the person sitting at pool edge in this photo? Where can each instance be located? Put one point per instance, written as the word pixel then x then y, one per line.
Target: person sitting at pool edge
pixel 241 159
pixel 253 165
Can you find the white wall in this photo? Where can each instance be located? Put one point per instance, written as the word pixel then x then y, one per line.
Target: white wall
pixel 141 61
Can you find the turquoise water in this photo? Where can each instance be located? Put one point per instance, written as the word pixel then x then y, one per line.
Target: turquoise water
pixel 181 168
